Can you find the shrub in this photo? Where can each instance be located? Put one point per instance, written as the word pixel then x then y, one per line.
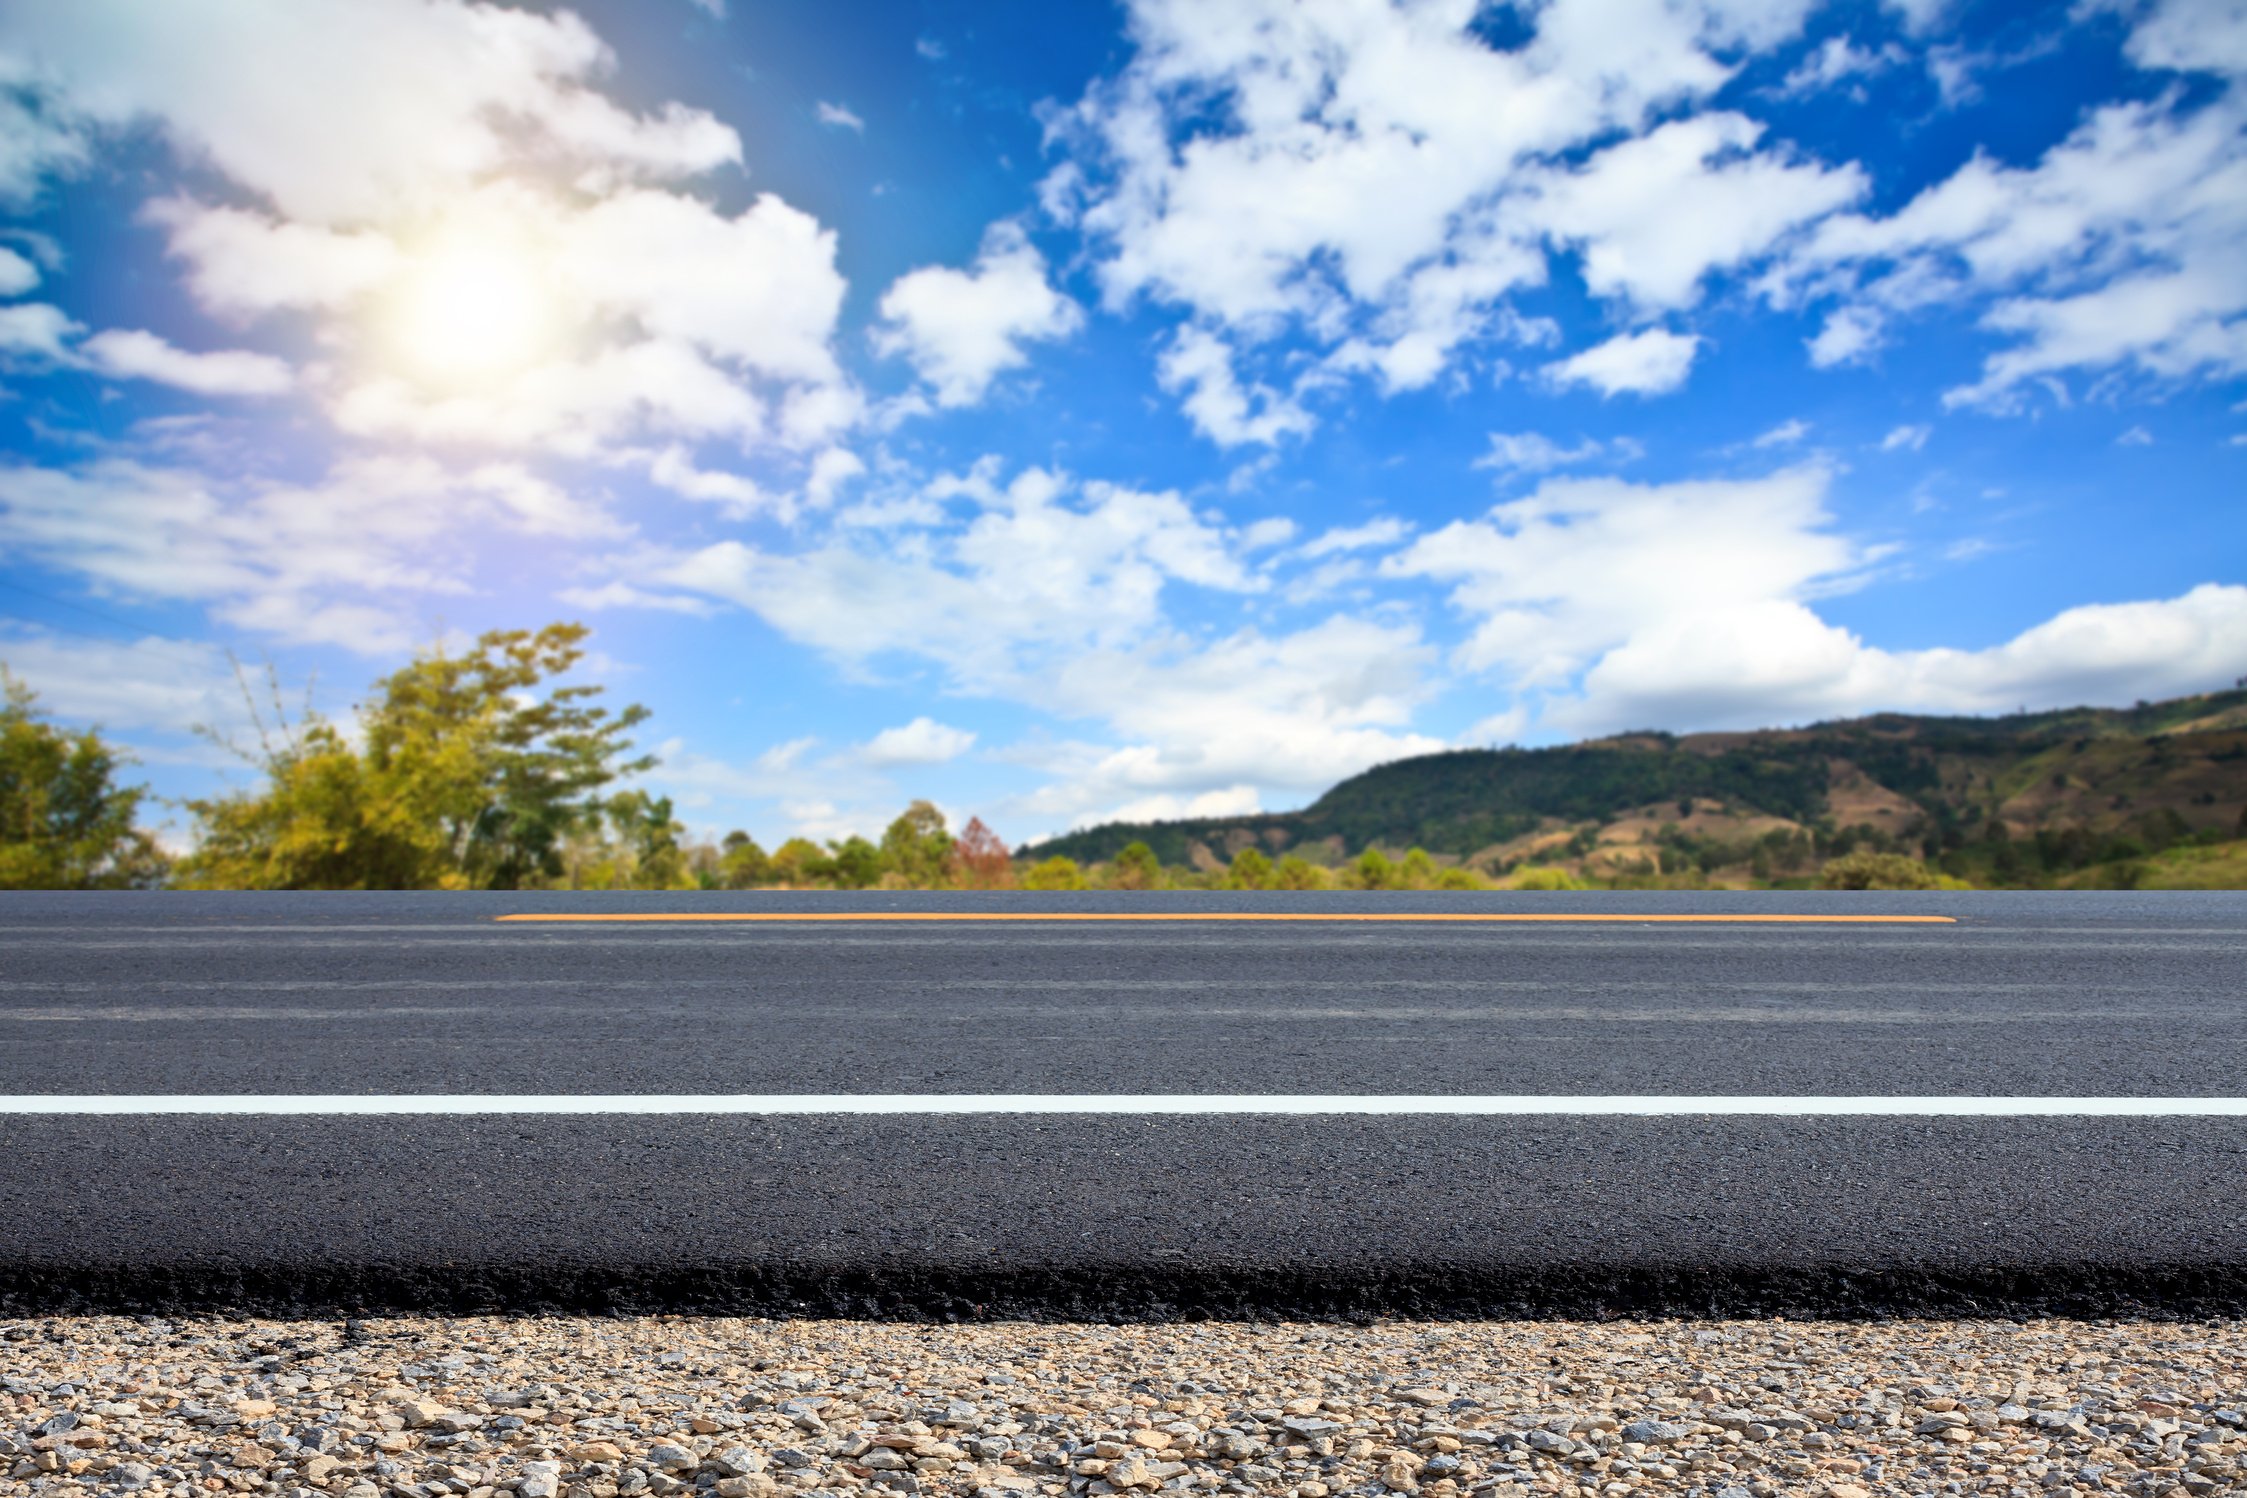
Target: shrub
pixel 1869 870
pixel 1054 873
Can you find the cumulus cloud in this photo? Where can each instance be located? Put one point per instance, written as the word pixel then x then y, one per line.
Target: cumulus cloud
pixel 1342 171
pixel 1653 362
pixel 1550 582
pixel 17 273
pixel 1199 367
pixel 1774 661
pixel 37 331
pixel 498 247
pixel 2121 248
pixel 924 741
pixel 962 329
pixel 1534 452
pixel 144 356
pixel 340 561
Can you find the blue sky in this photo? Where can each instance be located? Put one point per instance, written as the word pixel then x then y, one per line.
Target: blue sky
pixel 1076 411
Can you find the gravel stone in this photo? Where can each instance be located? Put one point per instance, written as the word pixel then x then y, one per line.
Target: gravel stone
pixel 714 1408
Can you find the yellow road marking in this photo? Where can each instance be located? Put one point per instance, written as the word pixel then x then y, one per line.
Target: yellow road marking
pixel 1234 915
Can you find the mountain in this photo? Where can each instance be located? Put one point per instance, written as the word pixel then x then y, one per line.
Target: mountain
pixel 2090 781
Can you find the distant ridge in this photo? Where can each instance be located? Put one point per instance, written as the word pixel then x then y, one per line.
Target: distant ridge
pixel 1936 781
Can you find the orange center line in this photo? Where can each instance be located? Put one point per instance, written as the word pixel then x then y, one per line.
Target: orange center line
pixel 1230 915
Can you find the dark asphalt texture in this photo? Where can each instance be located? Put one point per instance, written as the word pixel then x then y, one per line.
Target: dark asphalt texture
pixel 2077 994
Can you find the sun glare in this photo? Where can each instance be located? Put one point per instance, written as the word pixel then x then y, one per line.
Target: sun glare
pixel 470 313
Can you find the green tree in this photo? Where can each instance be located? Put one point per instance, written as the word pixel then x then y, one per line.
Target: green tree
pixel 649 836
pixel 917 848
pixel 1417 871
pixel 1054 873
pixel 1461 879
pixel 1866 869
pixel 1250 870
pixel 64 821
pixel 1137 868
pixel 470 772
pixel 801 863
pixel 1372 870
pixel 1298 872
pixel 741 863
pixel 856 864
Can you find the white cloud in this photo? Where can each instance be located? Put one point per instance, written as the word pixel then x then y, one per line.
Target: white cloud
pixel 962 329
pixel 144 356
pixel 1785 434
pixel 1835 59
pixel 1533 452
pixel 1374 534
pixel 1199 364
pixel 1380 177
pixel 343 561
pixel 1656 215
pixel 1849 336
pixel 1653 362
pixel 488 242
pixel 344 109
pixel 35 330
pixel 924 741
pixel 740 498
pixel 1912 437
pixel 2137 436
pixel 2123 247
pixel 243 263
pixel 17 274
pixel 1552 581
pixel 147 685
pixel 1776 662
pixel 840 117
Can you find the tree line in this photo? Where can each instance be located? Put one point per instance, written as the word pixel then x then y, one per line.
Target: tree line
pixel 492 769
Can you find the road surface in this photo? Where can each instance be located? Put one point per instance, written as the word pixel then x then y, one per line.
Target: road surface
pixel 2031 1102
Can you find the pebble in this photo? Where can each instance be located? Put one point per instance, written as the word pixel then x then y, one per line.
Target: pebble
pixel 715 1408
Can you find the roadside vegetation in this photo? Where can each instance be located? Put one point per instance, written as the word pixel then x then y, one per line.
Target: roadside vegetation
pixel 500 768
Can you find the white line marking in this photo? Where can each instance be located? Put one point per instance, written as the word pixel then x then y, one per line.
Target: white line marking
pixel 845 1103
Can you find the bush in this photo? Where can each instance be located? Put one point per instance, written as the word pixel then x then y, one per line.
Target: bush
pixel 1054 873
pixel 1250 870
pixel 1869 870
pixel 1545 879
pixel 1297 872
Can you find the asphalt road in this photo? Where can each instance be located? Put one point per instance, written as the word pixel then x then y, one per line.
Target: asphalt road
pixel 2101 996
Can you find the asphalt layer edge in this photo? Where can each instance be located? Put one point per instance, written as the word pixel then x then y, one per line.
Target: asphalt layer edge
pixel 1115 1292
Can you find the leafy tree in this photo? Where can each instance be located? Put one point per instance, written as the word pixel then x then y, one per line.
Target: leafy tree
pixel 917 848
pixel 741 863
pixel 1417 871
pixel 1461 878
pixel 1054 873
pixel 1297 872
pixel 1865 869
pixel 64 821
pixel 980 860
pixel 1373 870
pixel 856 864
pixel 1250 870
pixel 800 862
pixel 470 772
pixel 650 837
pixel 1137 868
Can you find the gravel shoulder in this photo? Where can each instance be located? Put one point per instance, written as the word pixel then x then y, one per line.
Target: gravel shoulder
pixel 741 1408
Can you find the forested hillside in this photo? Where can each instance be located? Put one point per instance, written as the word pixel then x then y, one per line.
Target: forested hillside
pixel 2026 798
